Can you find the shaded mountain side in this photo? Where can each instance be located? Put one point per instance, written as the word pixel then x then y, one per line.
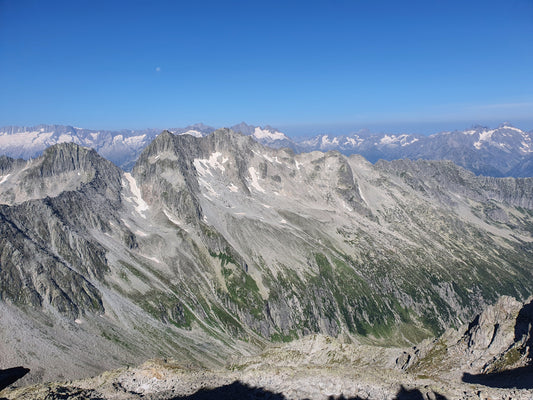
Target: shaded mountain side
pixel 215 246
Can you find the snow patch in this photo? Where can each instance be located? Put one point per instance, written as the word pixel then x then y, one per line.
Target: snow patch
pixel 266 134
pixel 4 178
pixel 361 194
pixel 64 138
pixel 233 188
pixel 141 233
pixel 388 139
pixel 326 142
pixel 204 165
pixel 346 207
pixel 406 143
pixel 283 221
pixel 402 139
pixel 255 180
pixel 353 141
pixel 137 198
pixel 118 139
pixel 135 140
pixel 526 148
pixel 192 132
pixel 484 136
pixel 512 128
pixel 271 160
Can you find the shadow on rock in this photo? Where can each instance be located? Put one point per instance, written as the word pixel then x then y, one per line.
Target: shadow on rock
pixel 416 394
pixel 11 375
pixel 238 390
pixel 524 327
pixel 519 378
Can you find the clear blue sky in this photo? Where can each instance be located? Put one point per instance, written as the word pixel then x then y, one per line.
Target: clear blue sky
pixel 303 66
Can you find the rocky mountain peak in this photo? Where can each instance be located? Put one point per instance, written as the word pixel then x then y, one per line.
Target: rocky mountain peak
pixel 243 128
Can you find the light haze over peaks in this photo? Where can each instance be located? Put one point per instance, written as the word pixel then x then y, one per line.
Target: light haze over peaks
pixel 501 151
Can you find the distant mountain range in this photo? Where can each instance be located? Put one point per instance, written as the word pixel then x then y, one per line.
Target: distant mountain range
pixel 499 152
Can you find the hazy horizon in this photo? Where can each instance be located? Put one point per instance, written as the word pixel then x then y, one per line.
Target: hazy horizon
pixel 301 66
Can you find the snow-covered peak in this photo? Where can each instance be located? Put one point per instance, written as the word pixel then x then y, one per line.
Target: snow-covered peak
pixel 484 136
pixel 353 141
pixel 392 139
pixel 325 141
pixel 402 140
pixel 192 132
pixel 268 134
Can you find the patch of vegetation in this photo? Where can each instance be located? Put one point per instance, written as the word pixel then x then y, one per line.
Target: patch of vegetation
pixel 281 337
pixel 167 308
pixel 228 320
pixel 115 339
pixel 243 291
pixel 433 358
pixel 133 270
pixel 509 360
pixel 224 257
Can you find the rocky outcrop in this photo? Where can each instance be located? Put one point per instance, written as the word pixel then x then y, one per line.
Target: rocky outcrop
pixel 499 339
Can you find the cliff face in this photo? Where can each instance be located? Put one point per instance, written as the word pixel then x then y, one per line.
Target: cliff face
pixel 215 246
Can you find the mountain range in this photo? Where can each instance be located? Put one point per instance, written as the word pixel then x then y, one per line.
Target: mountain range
pixel 213 246
pixel 498 152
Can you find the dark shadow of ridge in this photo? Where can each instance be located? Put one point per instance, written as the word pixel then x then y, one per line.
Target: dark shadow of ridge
pixel 239 390
pixel 524 326
pixel 235 390
pixel 518 378
pixel 11 375
pixel 415 394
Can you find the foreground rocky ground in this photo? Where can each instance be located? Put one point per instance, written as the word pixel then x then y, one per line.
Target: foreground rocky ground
pixel 490 358
pixel 163 380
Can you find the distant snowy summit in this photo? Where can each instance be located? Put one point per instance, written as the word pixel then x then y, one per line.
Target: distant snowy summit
pixel 268 136
pixel 502 151
pixel 122 147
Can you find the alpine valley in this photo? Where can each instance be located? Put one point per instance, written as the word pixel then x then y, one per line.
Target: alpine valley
pixel 227 262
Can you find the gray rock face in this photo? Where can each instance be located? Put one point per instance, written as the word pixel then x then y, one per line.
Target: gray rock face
pixel 214 246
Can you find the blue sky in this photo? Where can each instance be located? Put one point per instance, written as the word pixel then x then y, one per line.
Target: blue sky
pixel 305 67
